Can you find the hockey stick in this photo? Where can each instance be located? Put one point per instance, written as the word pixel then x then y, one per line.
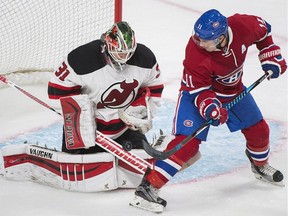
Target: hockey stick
pixel 13 85
pixel 164 155
pixel 101 140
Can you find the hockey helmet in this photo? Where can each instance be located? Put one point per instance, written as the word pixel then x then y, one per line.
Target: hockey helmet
pixel 120 44
pixel 211 25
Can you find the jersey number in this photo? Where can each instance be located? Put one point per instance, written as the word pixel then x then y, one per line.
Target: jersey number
pixel 62 72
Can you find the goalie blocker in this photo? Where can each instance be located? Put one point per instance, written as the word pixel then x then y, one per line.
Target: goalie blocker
pixel 79 121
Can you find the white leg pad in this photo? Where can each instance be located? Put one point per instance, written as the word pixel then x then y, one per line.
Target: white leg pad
pixel 127 176
pixel 85 173
pixel 15 167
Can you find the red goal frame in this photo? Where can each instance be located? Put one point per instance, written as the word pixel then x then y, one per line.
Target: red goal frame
pixel 118 11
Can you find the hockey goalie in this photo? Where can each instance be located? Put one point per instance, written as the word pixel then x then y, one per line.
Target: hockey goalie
pixel 111 86
pixel 75 172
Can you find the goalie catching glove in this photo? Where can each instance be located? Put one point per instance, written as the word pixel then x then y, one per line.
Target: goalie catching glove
pixel 138 115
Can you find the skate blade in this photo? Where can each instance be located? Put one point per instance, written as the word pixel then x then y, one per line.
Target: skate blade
pixel 279 184
pixel 141 203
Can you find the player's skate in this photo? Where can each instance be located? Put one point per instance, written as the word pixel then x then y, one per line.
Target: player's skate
pixel 266 173
pixel 146 197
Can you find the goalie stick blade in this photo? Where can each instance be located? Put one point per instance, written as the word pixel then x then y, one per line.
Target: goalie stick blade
pixel 139 202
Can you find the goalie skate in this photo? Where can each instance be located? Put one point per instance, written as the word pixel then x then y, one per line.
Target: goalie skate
pixel 266 173
pixel 146 197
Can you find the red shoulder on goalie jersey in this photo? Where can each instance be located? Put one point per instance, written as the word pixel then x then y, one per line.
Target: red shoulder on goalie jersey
pixel 112 71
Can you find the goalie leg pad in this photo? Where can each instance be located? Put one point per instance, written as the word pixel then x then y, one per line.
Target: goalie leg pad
pixel 79 122
pixel 15 164
pixel 127 176
pixel 83 173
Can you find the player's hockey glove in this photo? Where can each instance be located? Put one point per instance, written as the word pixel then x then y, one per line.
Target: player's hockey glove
pixel 138 115
pixel 272 60
pixel 211 108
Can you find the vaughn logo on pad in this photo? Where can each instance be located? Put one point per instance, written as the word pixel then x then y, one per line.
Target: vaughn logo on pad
pixel 41 153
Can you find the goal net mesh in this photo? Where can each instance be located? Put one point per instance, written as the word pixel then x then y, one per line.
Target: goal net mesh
pixel 35 35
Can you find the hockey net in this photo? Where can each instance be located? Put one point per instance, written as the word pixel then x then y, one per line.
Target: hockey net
pixel 36 35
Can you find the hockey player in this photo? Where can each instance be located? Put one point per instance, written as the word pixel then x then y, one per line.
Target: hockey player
pixel 117 80
pixel 212 76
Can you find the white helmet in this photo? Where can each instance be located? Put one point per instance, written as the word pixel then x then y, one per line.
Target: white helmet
pixel 119 42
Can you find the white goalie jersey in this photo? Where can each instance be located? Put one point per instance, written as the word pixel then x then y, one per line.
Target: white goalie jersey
pixel 90 89
pixel 85 71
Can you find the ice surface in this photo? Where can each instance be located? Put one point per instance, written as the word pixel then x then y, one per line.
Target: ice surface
pixel 221 183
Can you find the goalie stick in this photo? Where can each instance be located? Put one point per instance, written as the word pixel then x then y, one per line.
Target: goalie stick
pixel 101 140
pixel 164 155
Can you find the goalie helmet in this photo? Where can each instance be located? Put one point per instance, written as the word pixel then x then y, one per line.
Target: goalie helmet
pixel 211 25
pixel 120 44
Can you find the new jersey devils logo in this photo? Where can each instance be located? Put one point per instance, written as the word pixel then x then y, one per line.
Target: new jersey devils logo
pixel 118 95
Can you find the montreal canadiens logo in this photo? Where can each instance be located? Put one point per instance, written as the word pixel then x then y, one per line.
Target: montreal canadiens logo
pixel 188 123
pixel 215 24
pixel 232 78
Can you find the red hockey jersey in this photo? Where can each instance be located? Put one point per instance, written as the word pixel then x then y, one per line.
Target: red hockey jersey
pixel 222 70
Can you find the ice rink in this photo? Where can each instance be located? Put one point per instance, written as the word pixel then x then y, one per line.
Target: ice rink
pixel 221 183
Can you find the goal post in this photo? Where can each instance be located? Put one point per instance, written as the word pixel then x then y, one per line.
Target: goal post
pixel 118 11
pixel 35 35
